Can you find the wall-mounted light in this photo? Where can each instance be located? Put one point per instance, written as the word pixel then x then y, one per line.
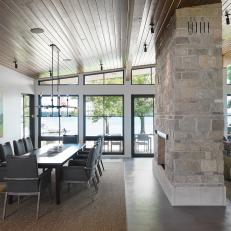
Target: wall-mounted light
pixel 152 27
pixel 15 63
pixel 227 14
pixel 101 66
pixel 36 30
pixel 145 47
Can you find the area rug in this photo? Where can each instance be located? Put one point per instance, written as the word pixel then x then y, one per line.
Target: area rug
pixel 81 209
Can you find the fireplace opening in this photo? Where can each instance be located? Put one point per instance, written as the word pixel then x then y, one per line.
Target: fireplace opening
pixel 162 137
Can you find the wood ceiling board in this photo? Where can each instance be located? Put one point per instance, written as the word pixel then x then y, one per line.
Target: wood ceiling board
pixel 188 3
pixel 43 51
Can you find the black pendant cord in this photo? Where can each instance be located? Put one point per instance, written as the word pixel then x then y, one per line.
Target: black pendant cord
pixel 52 78
pixel 59 112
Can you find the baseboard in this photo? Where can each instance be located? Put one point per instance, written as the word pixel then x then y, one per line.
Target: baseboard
pixel 189 195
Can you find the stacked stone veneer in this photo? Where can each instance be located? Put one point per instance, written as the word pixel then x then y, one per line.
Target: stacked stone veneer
pixel 189 108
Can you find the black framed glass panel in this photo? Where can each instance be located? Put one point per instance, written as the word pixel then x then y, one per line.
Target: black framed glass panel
pixel 142 125
pixel 62 81
pixel 27 116
pixel 145 76
pixel 110 78
pixel 49 118
pixel 104 116
pixel 228 115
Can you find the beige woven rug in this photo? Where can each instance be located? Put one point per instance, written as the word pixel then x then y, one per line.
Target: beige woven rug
pixel 80 210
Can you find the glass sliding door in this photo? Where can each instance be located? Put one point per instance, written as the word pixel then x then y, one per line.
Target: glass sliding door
pixel 142 125
pixel 104 116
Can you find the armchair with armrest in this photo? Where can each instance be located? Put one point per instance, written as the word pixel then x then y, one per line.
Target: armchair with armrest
pixel 22 179
pixel 82 173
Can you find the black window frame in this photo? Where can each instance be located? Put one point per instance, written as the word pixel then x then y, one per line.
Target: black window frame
pixel 106 138
pixel 53 138
pixel 103 73
pixel 30 116
pixel 61 78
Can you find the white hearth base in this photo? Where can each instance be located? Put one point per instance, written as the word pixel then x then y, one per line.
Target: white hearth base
pixel 189 195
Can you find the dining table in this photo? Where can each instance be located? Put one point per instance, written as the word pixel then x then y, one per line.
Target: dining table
pixel 53 156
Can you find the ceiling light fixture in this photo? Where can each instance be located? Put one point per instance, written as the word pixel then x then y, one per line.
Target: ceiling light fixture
pixel 66 60
pixel 227 14
pixel 15 63
pixel 145 47
pixel 37 30
pixel 152 27
pixel 101 66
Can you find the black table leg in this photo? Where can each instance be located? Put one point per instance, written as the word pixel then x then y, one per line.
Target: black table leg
pixel 57 183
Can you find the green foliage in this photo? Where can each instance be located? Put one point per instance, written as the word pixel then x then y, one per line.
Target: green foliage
pixel 143 107
pixel 106 107
pixel 229 104
pixel 229 74
pixel 141 79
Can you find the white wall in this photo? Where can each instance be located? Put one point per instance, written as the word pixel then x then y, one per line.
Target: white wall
pixel 127 90
pixel 12 85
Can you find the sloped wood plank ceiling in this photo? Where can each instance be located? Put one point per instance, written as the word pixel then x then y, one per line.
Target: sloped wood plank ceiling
pixel 87 31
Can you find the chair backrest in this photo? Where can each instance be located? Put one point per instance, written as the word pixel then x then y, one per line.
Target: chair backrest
pixel 22 174
pixel 5 150
pixel 102 139
pixel 28 144
pixel 142 137
pixel 91 160
pixel 19 148
pixel 70 139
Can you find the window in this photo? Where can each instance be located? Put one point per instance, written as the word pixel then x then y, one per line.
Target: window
pixel 144 76
pixel 104 116
pixel 112 78
pixel 62 81
pixel 27 116
pixel 229 74
pixel 228 115
pixel 49 117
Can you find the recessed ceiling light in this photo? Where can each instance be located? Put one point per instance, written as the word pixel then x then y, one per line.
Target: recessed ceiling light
pixel 37 30
pixel 66 60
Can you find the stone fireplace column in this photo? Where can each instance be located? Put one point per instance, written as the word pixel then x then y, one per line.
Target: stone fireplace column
pixel 189 107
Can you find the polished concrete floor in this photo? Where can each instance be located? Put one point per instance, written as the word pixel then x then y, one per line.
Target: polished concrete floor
pixel 149 210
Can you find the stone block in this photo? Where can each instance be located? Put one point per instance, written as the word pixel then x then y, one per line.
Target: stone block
pixel 187 167
pixel 187 124
pixel 208 166
pixel 204 124
pixel 182 40
pixel 217 125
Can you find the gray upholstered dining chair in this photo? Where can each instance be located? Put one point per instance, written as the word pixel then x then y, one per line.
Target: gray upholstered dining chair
pixel 70 139
pixel 22 178
pixel 82 158
pixel 19 147
pixel 82 174
pixel 28 144
pixel 5 150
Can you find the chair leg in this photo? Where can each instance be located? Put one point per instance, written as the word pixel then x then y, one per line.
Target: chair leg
pixel 95 184
pixel 4 208
pixel 18 200
pixel 50 191
pixel 88 184
pixel 68 187
pixel 102 164
pixel 99 169
pixel 97 176
pixel 38 203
